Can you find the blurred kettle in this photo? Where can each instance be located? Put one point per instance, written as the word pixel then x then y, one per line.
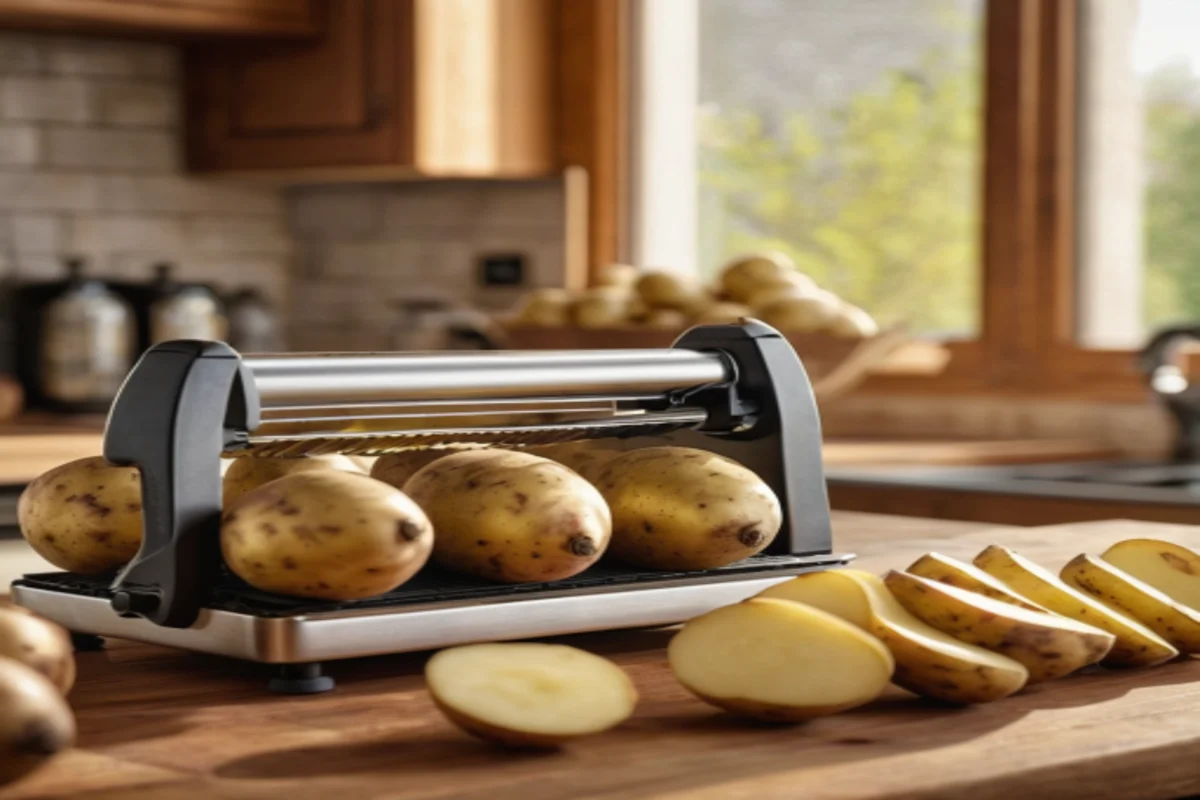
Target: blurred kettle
pixel 427 324
pixel 1158 361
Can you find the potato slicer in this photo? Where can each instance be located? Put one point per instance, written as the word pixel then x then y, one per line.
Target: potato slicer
pixel 737 390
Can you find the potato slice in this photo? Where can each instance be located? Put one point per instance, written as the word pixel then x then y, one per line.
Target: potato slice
pixel 1125 594
pixel 779 660
pixel 928 662
pixel 1049 646
pixel 528 694
pixel 1172 569
pixel 1136 645
pixel 953 572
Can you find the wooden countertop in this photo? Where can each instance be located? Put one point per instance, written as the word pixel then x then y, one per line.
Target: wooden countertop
pixel 167 724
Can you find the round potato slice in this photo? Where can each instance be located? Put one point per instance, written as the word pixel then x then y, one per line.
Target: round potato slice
pixel 779 660
pixel 84 516
pixel 326 534
pixel 527 694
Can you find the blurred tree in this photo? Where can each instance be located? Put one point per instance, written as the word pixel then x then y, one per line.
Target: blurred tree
pixel 876 200
pixel 1172 195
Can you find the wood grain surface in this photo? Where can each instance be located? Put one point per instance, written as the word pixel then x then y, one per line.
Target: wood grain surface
pixel 165 724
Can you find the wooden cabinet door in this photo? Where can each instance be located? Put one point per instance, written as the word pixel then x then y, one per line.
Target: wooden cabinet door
pixel 337 102
pixel 235 17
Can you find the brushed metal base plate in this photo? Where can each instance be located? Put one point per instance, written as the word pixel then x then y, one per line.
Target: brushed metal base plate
pixel 367 632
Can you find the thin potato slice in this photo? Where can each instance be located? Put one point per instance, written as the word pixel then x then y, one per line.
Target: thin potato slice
pixel 527 694
pixel 1136 645
pixel 791 661
pixel 928 662
pixel 1049 646
pixel 953 572
pixel 1125 594
pixel 1172 569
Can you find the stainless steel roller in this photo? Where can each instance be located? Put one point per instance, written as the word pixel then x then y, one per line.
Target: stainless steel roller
pixel 330 379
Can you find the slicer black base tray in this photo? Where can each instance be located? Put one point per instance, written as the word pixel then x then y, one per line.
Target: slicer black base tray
pixel 432 585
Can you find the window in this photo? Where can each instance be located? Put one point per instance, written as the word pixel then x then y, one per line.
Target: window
pixel 847 135
pixel 1139 170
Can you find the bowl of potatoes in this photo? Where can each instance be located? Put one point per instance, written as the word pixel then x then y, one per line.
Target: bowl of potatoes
pixel 632 307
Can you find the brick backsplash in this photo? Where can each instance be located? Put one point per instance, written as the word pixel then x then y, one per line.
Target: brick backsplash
pixel 361 247
pixel 90 164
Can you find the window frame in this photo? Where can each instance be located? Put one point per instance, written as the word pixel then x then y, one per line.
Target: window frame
pixel 1027 344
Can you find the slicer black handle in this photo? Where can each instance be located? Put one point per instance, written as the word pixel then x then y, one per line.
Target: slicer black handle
pixel 780 427
pixel 181 405
pixel 1158 350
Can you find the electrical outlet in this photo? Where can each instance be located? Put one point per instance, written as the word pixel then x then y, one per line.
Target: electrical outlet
pixel 502 269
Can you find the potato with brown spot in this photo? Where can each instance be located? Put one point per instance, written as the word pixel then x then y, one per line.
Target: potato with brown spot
pixel 84 516
pixel 38 644
pixel 395 469
pixel 326 534
pixel 679 508
pixel 35 721
pixel 248 473
pixel 511 517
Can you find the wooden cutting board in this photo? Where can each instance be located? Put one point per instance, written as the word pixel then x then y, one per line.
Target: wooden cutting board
pixel 164 724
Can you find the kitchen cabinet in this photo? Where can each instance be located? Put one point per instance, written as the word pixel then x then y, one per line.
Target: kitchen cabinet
pixel 447 88
pixel 234 17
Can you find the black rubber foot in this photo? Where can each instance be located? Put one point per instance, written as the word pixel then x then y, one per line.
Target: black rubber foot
pixel 87 642
pixel 300 679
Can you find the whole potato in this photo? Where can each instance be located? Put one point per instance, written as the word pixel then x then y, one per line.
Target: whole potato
pixel 661 289
pixel 805 314
pixel 511 517
pixel 546 307
pixel 667 319
pixel 395 469
pixel 248 473
pixel 84 516
pixel 744 274
pixel 326 534
pixel 790 285
pixel 601 307
pixel 678 508
pixel 721 313
pixel 38 644
pixel 35 721
pixel 584 458
pixel 851 322
pixel 624 275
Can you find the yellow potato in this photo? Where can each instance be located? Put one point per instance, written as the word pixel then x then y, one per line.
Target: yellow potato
pixel 84 516
pixel 527 694
pixel 779 660
pixel 326 534
pixel 1136 645
pixel 35 721
pixel 624 275
pixel 512 517
pixel 395 469
pixel 792 284
pixel 928 662
pixel 548 308
pixel 1125 594
pixel 248 473
pixel 678 508
pixel 1170 568
pixel 660 289
pixel 601 307
pixel 953 572
pixel 744 275
pixel 585 458
pixel 667 319
pixel 1048 646
pixel 804 314
pixel 851 322
pixel 721 314
pixel 38 644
